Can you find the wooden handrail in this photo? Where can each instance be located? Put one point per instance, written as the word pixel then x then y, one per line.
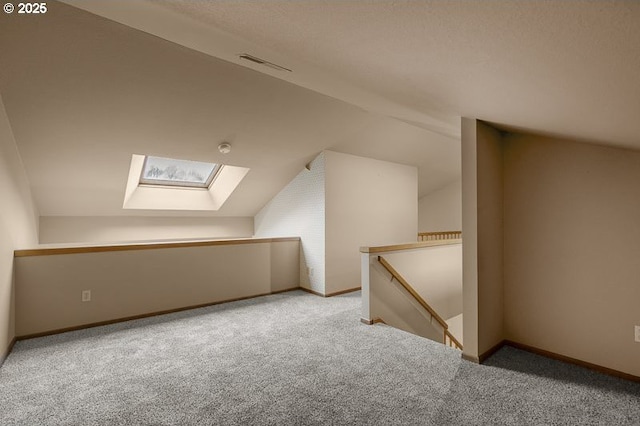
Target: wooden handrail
pixel 151 246
pixel 407 246
pixel 395 274
pixel 411 291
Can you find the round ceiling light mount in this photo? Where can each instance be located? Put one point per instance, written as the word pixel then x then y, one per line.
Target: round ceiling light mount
pixel 224 147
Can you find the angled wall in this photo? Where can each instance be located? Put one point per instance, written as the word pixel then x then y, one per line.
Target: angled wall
pixel 18 224
pixel 299 210
pixel 342 203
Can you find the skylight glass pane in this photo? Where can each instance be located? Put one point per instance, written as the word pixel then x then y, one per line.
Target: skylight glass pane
pixel 181 173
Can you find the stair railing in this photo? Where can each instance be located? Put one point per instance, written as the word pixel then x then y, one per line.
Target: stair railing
pixel 441 235
pixel 447 338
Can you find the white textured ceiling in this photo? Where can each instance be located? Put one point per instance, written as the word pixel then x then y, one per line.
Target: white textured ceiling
pixel 567 68
pixel 84 93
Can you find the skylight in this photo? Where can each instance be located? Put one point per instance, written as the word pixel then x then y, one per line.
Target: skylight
pixel 178 173
pixel 156 183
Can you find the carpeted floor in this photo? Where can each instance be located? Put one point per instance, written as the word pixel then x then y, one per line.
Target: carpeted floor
pixel 287 359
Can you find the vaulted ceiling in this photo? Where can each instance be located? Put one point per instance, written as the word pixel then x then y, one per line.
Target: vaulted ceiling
pixel 567 68
pixel 384 79
pixel 84 93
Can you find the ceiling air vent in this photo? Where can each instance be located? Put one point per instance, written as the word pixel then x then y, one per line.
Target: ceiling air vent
pixel 256 60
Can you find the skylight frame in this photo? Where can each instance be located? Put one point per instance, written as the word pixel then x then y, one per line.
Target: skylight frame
pixel 178 184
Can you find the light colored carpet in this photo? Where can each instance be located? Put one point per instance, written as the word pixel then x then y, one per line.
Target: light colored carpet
pixel 287 359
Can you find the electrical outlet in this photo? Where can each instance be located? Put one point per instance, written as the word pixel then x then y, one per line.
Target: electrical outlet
pixel 638 333
pixel 86 295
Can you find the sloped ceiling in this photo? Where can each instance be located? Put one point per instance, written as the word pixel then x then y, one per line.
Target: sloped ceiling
pixel 87 92
pixel 84 93
pixel 567 68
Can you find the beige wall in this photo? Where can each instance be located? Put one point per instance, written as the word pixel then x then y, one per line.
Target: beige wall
pixel 551 242
pixel 435 273
pixel 470 241
pixel 118 229
pixel 368 203
pixel 18 224
pixel 130 283
pixel 482 187
pixel 389 301
pixel 572 244
pixel 441 210
pixel 7 316
pixel 490 237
